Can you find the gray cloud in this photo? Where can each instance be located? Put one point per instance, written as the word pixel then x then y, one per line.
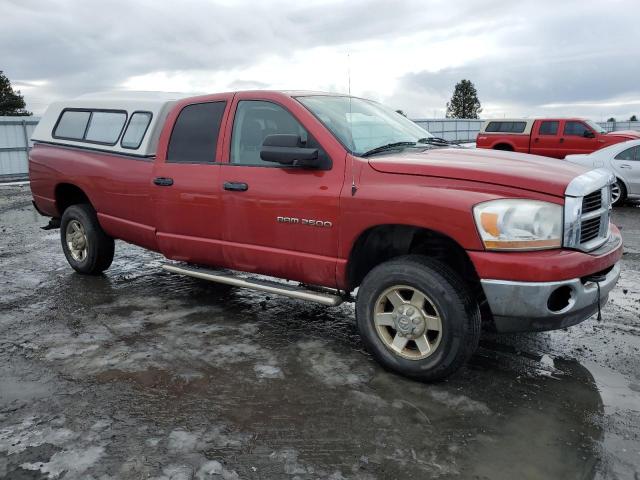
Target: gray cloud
pixel 577 54
pixel 545 52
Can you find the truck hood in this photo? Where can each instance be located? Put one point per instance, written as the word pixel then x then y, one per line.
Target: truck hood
pixel 519 170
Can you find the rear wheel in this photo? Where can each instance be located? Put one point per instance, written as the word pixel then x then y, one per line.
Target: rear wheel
pixel 416 317
pixel 88 249
pixel 618 193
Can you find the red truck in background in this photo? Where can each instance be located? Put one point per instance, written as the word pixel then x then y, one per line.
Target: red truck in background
pixel 342 195
pixel 549 137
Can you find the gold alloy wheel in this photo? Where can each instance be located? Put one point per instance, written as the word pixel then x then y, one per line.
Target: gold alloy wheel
pixel 408 322
pixel 76 240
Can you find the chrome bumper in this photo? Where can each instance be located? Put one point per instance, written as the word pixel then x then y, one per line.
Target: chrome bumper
pixel 524 306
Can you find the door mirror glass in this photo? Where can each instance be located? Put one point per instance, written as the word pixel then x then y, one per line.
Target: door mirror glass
pixel 290 150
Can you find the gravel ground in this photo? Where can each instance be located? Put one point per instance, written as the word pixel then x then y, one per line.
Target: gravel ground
pixel 141 374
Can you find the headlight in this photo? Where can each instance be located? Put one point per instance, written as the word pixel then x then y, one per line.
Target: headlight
pixel 519 224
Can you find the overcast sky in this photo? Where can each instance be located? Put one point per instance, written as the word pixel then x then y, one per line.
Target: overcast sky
pixel 558 57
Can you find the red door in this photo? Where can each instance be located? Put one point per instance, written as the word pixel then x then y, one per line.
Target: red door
pixel 578 137
pixel 185 185
pixel 280 221
pixel 545 139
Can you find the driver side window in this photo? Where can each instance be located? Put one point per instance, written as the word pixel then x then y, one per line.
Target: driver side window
pixel 576 128
pixel 254 120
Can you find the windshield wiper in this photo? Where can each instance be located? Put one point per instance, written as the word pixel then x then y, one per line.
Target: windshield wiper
pixel 388 146
pixel 434 141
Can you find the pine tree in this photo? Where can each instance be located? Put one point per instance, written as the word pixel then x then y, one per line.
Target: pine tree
pixel 11 103
pixel 633 118
pixel 611 119
pixel 464 102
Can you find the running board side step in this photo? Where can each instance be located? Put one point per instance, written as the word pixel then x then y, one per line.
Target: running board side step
pixel 300 293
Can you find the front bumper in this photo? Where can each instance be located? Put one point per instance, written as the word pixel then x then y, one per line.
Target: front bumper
pixel 526 306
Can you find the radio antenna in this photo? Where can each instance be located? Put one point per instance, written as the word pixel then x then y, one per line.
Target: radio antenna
pixel 354 189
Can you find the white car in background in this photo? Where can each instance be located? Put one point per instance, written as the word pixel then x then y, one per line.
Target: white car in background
pixel 623 160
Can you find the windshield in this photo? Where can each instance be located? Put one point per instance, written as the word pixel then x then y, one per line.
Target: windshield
pixel 363 125
pixel 595 126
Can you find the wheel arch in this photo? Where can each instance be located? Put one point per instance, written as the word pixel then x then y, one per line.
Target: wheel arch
pixel 381 243
pixel 625 185
pixel 67 194
pixel 504 146
pixel 623 180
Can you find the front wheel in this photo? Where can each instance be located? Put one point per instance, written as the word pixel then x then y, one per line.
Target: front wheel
pixel 618 193
pixel 88 249
pixel 416 317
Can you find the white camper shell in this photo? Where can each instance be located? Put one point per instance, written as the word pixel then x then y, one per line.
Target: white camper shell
pixel 508 126
pixel 119 122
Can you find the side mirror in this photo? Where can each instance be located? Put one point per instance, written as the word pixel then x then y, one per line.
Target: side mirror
pixel 288 149
pixel 588 134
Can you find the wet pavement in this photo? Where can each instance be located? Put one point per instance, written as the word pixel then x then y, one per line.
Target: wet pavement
pixel 142 374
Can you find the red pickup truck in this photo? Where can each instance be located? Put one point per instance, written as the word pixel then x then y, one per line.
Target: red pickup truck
pixel 550 137
pixel 332 195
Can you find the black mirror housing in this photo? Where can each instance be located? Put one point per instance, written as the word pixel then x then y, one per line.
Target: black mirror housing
pixel 589 134
pixel 287 149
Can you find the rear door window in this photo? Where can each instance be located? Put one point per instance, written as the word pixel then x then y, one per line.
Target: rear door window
pixel 629 154
pixel 194 138
pixel 72 125
pixel 549 128
pixel 105 127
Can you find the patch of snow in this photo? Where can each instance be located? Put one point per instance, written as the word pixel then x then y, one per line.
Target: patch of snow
pixel 268 371
pixel 459 402
pixel 19 437
pixel 181 441
pixel 547 362
pixel 70 462
pixel 334 369
pixel 212 467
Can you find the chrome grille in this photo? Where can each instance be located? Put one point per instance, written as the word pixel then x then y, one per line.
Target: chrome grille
pixel 588 210
pixel 589 229
pixel 594 220
pixel 592 202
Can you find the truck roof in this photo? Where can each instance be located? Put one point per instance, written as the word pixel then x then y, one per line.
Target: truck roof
pixel 533 119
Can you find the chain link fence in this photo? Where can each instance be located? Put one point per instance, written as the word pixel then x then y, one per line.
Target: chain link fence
pixel 15 133
pixel 455 130
pixel 617 126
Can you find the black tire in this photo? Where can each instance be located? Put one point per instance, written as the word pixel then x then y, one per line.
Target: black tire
pixel 99 246
pixel 448 293
pixel 623 193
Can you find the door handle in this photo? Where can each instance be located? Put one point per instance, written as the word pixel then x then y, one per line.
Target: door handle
pixel 163 181
pixel 536 139
pixel 625 165
pixel 561 140
pixel 236 186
